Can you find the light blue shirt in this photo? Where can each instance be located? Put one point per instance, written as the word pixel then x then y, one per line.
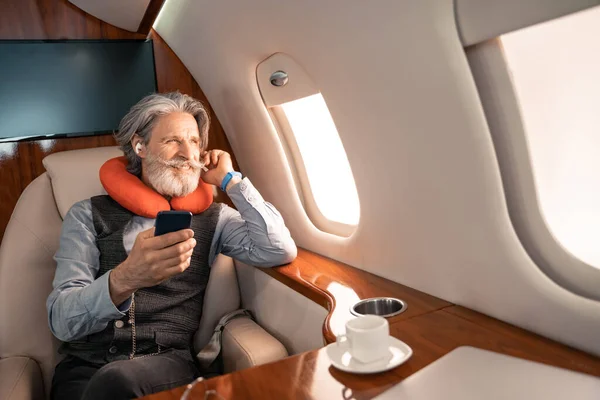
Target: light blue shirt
pixel 81 305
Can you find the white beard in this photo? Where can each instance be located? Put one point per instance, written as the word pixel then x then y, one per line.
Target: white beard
pixel 168 177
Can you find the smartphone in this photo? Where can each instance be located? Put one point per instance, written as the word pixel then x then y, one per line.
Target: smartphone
pixel 172 221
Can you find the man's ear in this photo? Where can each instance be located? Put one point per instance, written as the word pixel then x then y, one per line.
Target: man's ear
pixel 138 146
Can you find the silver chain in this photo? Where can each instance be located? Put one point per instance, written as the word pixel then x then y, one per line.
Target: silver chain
pixel 132 322
pixel 133 334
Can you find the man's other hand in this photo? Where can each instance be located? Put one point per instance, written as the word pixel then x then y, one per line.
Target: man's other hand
pixel 152 260
pixel 219 164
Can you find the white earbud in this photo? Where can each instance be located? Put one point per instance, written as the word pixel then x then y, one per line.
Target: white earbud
pixel 138 148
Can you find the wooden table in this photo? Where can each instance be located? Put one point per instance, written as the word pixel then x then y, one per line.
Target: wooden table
pixel 431 327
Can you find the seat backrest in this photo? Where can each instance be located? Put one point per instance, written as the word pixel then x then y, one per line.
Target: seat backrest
pixel 27 266
pixel 222 296
pixel 26 273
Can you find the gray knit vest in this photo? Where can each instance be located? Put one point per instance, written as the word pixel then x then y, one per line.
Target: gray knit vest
pixel 167 315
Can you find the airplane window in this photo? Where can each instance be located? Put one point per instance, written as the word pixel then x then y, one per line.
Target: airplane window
pixel 554 68
pixel 324 158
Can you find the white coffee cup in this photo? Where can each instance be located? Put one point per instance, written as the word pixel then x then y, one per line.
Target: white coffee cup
pixel 367 337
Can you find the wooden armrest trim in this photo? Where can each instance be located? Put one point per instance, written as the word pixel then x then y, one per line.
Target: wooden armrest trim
pixel 337 286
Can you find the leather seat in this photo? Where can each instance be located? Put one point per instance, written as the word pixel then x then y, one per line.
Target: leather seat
pixel 28 350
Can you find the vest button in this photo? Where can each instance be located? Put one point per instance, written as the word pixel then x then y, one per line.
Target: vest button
pixel 113 349
pixel 119 324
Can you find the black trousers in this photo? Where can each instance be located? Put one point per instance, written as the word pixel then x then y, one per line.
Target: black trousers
pixel 75 379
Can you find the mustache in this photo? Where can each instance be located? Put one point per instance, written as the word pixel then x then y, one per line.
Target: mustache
pixel 180 163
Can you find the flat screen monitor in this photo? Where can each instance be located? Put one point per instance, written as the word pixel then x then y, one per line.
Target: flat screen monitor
pixel 71 87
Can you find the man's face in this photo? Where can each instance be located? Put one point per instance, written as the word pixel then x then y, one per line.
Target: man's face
pixel 172 161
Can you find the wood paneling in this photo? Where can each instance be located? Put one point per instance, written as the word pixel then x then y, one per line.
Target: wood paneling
pixel 150 16
pixel 21 162
pixel 432 335
pixel 337 286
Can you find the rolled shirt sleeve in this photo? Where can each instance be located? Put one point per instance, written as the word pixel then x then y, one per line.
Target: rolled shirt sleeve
pixel 254 234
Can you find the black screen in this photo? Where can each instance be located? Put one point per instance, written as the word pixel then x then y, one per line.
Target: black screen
pixel 71 87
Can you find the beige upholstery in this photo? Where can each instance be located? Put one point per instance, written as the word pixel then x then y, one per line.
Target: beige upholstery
pixel 295 320
pixel 27 270
pixel 222 297
pixel 20 378
pixel 246 344
pixel 26 273
pixel 73 184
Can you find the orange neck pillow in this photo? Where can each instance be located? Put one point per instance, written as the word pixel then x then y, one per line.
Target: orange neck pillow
pixel 131 193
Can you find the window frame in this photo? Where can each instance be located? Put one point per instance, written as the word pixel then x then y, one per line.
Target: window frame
pixel 502 111
pixel 292 151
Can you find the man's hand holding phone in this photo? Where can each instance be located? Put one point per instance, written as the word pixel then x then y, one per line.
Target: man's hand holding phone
pixel 152 260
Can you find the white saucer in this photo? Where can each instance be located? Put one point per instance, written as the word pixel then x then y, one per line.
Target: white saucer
pixel 341 358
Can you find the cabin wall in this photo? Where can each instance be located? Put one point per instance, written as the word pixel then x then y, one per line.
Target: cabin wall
pixel 398 84
pixel 21 163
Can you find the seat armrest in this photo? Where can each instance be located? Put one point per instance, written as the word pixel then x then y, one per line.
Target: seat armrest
pixel 20 379
pixel 246 344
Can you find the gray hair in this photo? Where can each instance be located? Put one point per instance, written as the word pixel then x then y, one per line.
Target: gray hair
pixel 143 116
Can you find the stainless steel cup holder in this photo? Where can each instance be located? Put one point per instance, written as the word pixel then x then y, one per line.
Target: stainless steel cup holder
pixel 382 306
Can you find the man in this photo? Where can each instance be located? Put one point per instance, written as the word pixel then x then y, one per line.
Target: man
pixel 126 303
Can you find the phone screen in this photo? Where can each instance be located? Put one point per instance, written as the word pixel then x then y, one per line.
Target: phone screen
pixel 172 221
